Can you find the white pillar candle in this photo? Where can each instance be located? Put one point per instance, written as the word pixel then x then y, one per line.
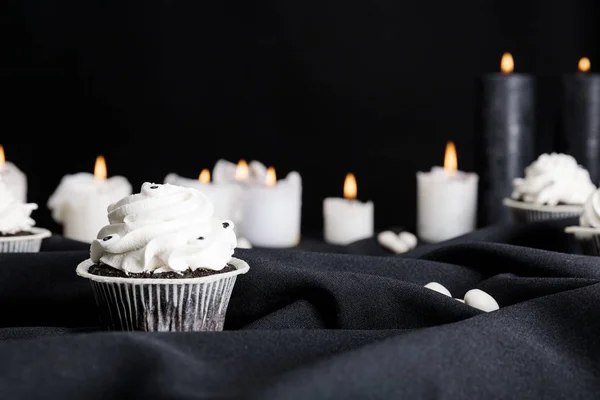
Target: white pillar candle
pixel 81 200
pixel 14 179
pixel 446 201
pixel 272 211
pixel 347 220
pixel 227 197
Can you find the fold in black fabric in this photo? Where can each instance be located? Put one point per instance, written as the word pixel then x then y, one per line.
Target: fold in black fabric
pixel 309 325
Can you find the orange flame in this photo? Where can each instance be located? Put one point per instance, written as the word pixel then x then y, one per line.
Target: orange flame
pixel 507 64
pixel 271 178
pixel 100 168
pixel 350 188
pixel 450 159
pixel 241 171
pixel 584 64
pixel 204 176
pixel 2 157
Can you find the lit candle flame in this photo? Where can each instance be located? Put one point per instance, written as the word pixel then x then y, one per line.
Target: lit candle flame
pixel 350 188
pixel 241 171
pixel 100 168
pixel 271 178
pixel 2 158
pixel 584 64
pixel 507 64
pixel 204 176
pixel 450 159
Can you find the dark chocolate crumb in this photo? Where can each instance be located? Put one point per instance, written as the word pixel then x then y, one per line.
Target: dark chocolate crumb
pixel 105 238
pixel 225 224
pixel 107 270
pixel 200 237
pixel 20 233
pixel 154 187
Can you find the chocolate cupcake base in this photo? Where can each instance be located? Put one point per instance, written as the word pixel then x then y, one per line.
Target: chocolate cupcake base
pixel 164 305
pixel 27 242
pixel 523 213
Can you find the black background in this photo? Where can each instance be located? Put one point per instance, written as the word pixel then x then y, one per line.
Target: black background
pixel 321 87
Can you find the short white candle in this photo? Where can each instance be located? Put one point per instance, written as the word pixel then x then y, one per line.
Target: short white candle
pixel 14 179
pixel 446 200
pixel 347 220
pixel 227 197
pixel 271 211
pixel 81 200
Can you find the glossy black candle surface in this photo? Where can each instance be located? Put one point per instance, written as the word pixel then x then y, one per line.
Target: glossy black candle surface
pixel 506 140
pixel 581 121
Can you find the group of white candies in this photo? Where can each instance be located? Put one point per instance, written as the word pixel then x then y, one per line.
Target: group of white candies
pixel 397 243
pixel 475 298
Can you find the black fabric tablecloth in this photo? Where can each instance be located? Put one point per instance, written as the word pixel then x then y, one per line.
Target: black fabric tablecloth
pixel 310 325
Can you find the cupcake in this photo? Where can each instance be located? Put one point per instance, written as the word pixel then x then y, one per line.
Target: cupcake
pixel 588 231
pixel 17 231
pixel 164 262
pixel 554 187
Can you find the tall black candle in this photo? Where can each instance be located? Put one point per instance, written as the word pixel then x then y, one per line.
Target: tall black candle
pixel 581 118
pixel 506 137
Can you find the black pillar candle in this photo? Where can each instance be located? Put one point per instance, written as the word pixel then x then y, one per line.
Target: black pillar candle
pixel 506 137
pixel 581 118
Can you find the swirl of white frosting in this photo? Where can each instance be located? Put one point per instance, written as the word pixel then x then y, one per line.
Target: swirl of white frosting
pixel 553 179
pixel 14 214
pixel 164 228
pixel 591 211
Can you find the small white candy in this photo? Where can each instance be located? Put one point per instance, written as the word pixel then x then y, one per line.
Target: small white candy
pixel 409 239
pixel 436 287
pixel 461 300
pixel 391 241
pixel 480 300
pixel 243 243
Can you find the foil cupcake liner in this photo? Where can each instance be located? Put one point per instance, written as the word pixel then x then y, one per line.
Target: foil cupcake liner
pixel 524 213
pixel 24 244
pixel 588 239
pixel 164 305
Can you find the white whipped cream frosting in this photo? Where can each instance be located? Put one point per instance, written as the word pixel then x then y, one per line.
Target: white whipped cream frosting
pixel 15 216
pixel 553 179
pixel 164 228
pixel 591 211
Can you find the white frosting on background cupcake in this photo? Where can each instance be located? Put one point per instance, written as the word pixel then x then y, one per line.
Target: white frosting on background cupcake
pixel 14 214
pixel 164 228
pixel 591 211
pixel 553 179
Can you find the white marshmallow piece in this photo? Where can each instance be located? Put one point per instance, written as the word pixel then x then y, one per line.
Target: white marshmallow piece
pixel 480 300
pixel 461 300
pixel 408 238
pixel 392 242
pixel 436 287
pixel 243 243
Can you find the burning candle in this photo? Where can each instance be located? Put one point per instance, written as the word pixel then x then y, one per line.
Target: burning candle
pixel 14 179
pixel 581 118
pixel 81 200
pixel 226 197
pixel 227 172
pixel 271 211
pixel 506 134
pixel 347 220
pixel 446 200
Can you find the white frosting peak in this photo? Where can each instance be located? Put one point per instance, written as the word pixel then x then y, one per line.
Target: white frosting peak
pixel 14 214
pixel 553 179
pixel 164 228
pixel 591 211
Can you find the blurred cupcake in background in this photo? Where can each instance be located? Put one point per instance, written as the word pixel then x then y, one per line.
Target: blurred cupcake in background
pixel 18 233
pixel 555 186
pixel 588 231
